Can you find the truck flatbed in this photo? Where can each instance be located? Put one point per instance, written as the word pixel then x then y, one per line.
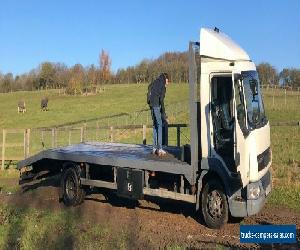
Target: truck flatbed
pixel 116 154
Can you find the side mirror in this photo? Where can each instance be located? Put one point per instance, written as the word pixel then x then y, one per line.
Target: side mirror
pixel 255 108
pixel 253 87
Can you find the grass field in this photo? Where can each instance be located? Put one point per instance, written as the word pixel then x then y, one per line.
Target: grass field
pixel 116 99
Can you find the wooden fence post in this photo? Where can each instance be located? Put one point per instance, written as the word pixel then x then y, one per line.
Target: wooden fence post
pixel 178 136
pixel 70 134
pixel 97 130
pixel 3 148
pixel 111 134
pixel 42 138
pixel 84 132
pixel 144 134
pixel 53 137
pixel 147 118
pixel 285 96
pixel 134 122
pixel 55 141
pixel 26 142
pixel 81 134
pixel 273 97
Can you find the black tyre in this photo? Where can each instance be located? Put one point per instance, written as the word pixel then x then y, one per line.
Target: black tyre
pixel 236 220
pixel 214 205
pixel 72 193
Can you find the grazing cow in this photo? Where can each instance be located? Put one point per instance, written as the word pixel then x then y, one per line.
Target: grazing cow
pixel 21 107
pixel 44 104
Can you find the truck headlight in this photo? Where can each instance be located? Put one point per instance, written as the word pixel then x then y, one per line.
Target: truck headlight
pixel 253 191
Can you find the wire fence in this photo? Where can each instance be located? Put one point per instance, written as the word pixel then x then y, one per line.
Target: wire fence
pixel 18 144
pixel 281 96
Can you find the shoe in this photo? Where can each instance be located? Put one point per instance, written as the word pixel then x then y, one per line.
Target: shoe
pixel 151 173
pixel 161 152
pixel 154 151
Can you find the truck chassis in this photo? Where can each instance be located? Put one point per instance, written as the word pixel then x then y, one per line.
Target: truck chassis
pixel 127 168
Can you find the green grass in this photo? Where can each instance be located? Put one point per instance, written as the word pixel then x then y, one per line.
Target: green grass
pixel 285 196
pixel 115 99
pixel 23 228
pixel 9 173
pixel 283 108
pixel 8 183
pixel 285 143
pixel 8 188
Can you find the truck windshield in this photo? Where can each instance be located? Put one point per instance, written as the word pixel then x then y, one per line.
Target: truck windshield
pixel 254 103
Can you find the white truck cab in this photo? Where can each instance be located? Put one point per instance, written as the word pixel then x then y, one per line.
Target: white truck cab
pixel 234 131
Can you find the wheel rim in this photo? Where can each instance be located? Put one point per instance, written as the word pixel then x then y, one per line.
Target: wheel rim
pixel 70 187
pixel 215 205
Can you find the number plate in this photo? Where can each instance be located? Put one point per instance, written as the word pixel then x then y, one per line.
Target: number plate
pixel 130 183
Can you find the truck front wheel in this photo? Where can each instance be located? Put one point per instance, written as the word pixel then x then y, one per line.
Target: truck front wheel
pixel 72 193
pixel 214 205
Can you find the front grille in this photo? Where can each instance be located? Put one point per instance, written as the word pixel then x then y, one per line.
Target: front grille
pixel 263 159
pixel 266 180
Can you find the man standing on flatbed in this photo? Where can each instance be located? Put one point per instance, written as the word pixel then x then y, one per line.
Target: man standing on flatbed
pixel 155 99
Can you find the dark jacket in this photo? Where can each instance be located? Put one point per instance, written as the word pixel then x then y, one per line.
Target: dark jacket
pixel 157 96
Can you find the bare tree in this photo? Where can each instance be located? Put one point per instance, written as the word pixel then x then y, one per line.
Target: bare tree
pixel 105 64
pixel 77 79
pixel 268 75
pixel 290 77
pixel 47 75
pixel 7 82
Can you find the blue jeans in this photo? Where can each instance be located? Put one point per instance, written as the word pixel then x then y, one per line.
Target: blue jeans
pixel 157 127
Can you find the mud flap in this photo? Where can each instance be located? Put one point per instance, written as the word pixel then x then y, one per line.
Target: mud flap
pixel 130 183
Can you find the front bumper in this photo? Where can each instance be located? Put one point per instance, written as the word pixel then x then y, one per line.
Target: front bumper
pixel 241 206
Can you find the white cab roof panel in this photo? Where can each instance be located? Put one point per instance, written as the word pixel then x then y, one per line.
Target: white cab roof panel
pixel 218 45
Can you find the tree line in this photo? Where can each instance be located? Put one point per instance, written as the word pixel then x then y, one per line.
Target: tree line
pixel 288 77
pixel 79 79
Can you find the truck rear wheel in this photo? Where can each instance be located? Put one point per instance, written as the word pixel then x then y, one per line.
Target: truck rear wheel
pixel 72 193
pixel 214 205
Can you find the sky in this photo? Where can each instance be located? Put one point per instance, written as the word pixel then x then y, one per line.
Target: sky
pixel 70 32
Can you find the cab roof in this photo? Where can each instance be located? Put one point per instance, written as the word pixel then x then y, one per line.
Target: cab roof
pixel 217 45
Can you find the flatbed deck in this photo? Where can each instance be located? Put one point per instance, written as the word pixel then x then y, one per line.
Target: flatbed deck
pixel 116 154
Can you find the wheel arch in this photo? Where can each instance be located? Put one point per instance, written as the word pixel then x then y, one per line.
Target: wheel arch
pixel 229 181
pixel 71 164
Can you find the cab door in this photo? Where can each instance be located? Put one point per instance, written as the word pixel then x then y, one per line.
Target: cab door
pixel 241 150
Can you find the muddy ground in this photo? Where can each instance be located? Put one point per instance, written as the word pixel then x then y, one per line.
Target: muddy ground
pixel 153 223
